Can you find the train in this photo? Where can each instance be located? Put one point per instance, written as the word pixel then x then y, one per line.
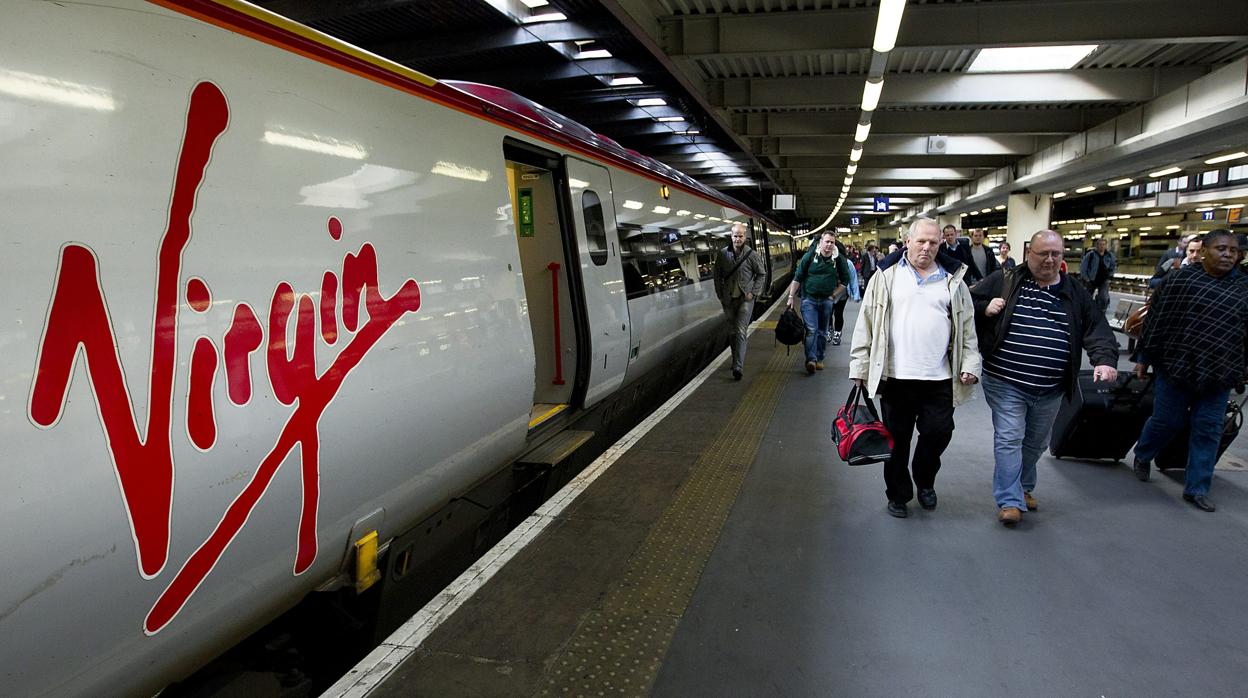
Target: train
pixel 273 302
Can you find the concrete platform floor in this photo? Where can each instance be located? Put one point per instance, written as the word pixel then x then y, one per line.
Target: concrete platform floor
pixel 1112 588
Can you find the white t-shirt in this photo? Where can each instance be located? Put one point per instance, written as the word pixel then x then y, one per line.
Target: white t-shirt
pixel 920 327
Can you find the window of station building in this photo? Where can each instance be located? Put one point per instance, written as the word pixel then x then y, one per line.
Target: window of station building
pixel 595 228
pixel 1152 187
pixel 1237 172
pixel 1210 177
pixel 1134 190
pixel 1177 183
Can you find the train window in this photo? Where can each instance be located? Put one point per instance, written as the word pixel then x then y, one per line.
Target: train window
pixel 595 229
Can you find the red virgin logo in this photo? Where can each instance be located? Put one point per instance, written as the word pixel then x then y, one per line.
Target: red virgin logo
pixel 78 324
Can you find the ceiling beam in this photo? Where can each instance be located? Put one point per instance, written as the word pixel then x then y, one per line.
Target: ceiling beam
pixel 943 25
pixel 899 145
pixel 1033 122
pixel 1120 85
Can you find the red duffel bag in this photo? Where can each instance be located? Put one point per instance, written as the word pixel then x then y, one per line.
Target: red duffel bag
pixel 858 433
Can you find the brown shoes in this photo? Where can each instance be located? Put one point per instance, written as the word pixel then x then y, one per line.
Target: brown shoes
pixel 819 365
pixel 1009 515
pixel 1030 501
pixel 810 367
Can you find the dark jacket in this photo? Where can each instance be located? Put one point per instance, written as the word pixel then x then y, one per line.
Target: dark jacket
pixel 944 258
pixel 1088 328
pixel 972 272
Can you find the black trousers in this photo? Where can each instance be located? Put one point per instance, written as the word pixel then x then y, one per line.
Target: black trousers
pixel 929 406
pixel 838 313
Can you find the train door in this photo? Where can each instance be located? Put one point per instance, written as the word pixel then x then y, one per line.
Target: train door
pixel 535 185
pixel 602 276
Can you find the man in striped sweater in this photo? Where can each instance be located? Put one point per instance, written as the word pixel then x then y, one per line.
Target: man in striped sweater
pixel 1033 324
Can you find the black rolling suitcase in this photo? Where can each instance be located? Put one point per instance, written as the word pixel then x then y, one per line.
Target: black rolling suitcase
pixel 1174 455
pixel 1102 419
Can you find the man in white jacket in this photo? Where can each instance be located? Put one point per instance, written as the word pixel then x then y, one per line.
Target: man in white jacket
pixel 915 347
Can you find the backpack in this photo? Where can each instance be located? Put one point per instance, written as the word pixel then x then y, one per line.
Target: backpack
pixel 859 435
pixel 790 329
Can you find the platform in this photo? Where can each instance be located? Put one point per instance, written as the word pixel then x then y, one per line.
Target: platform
pixel 728 552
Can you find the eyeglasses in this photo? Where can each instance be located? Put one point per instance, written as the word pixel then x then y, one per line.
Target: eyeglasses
pixel 1051 255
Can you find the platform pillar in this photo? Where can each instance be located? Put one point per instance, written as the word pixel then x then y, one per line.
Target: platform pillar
pixel 1025 215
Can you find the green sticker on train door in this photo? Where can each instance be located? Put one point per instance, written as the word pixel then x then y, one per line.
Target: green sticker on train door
pixel 526 213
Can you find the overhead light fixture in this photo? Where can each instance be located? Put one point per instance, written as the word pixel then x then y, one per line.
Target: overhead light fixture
pixel 1172 227
pixel 1085 190
pixel 669 119
pixel 856 154
pixel 651 102
pixel 985 210
pixel 531 4
pixel 1146 227
pixel 622 80
pixel 851 168
pixel 1059 194
pixel 1226 158
pixel 999 208
pixel 887 22
pixel 548 17
pixel 849 179
pixel 871 94
pixel 593 53
pixel 690 132
pixel 1013 59
pixel 1119 182
pixel 1122 230
pixel 1154 213
pixel 1163 173
pixel 861 131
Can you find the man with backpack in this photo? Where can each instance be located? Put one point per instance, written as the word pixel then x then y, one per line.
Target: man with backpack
pixel 739 279
pixel 821 277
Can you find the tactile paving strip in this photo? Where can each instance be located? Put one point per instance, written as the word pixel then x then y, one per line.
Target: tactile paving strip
pixel 619 646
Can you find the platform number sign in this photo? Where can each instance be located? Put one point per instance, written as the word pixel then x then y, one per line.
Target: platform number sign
pixel 526 212
pixel 1206 215
pixel 881 204
pixel 855 220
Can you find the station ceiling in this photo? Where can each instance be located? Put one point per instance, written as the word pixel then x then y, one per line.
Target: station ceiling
pixel 765 96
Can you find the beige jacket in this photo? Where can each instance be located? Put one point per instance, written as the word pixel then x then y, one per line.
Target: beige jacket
pixel 868 351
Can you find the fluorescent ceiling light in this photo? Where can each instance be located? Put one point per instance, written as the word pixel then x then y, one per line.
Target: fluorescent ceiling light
pixel 851 169
pixel 1154 213
pixel 690 132
pixel 1120 182
pixel 856 154
pixel 670 119
pixel 860 133
pixel 593 53
pixel 985 210
pixel 1059 195
pixel 886 25
pixel 652 102
pixel 1172 227
pixel 1163 173
pixel 1015 59
pixel 999 208
pixel 1146 227
pixel 535 3
pixel 625 80
pixel 1085 190
pixel 871 94
pixel 548 17
pixel 1226 158
pixel 849 179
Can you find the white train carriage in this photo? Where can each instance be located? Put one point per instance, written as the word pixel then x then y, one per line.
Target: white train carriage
pixel 266 294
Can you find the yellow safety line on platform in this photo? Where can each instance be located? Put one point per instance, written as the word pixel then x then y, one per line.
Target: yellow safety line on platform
pixel 619 645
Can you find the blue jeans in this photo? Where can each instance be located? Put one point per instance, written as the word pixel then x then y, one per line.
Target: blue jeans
pixel 817 314
pixel 1173 404
pixel 1021 422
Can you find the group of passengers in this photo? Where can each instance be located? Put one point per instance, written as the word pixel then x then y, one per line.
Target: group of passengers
pixel 939 316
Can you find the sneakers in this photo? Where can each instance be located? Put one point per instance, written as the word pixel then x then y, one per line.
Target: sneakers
pixel 818 365
pixel 1142 468
pixel 810 367
pixel 836 339
pixel 1030 501
pixel 898 510
pixel 1009 515
pixel 736 374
